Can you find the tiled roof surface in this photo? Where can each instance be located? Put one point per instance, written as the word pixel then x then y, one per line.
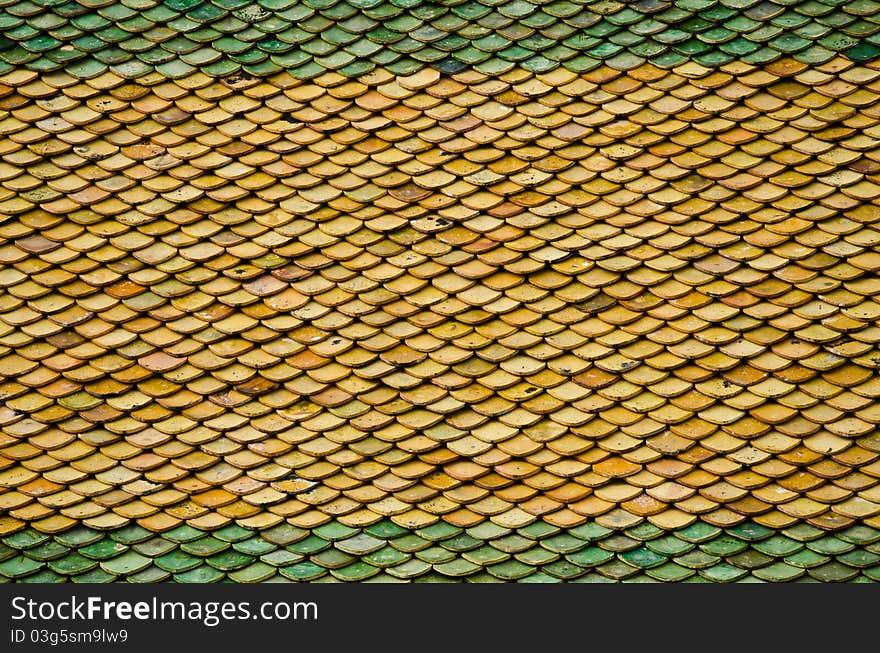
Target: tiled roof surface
pixel 494 36
pixel 468 315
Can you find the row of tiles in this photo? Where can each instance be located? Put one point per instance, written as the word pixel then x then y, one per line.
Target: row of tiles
pixel 221 37
pixel 429 311
pixel 384 552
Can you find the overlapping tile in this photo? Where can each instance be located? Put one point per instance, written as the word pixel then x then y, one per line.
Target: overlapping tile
pixel 616 305
pixel 176 37
pixel 386 553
